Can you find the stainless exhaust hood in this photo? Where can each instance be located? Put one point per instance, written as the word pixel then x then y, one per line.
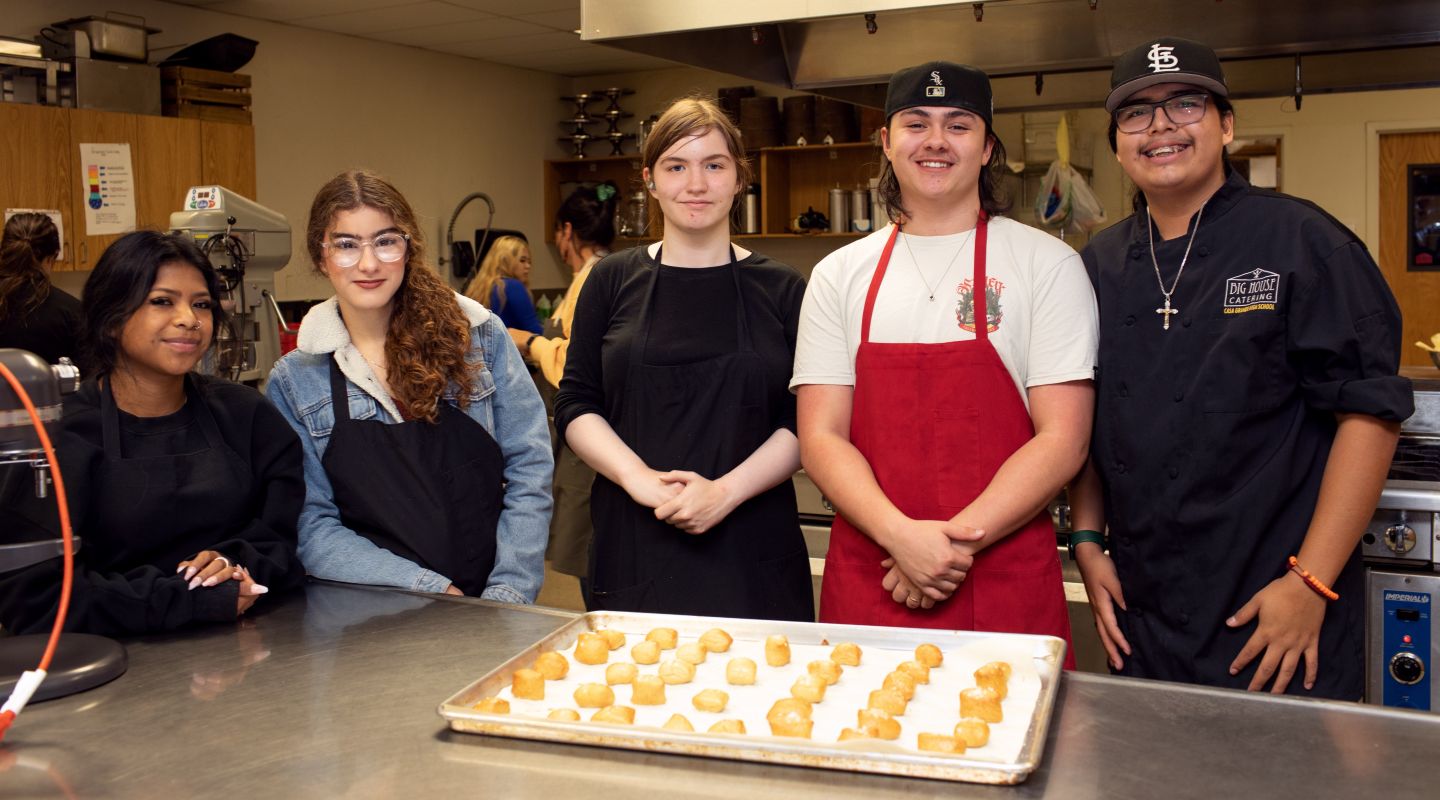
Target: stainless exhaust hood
pixel 1040 53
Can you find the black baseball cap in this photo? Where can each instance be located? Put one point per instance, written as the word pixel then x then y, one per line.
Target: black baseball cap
pixel 1168 59
pixel 941 83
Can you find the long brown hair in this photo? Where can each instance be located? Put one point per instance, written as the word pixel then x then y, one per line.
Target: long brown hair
pixel 499 263
pixel 429 335
pixel 28 242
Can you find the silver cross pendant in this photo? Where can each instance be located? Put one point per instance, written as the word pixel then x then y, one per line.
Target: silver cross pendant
pixel 1167 311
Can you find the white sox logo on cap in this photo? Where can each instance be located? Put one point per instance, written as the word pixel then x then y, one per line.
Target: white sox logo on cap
pixel 938 90
pixel 1162 59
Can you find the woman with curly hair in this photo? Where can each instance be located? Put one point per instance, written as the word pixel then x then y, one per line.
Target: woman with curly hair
pixel 500 283
pixel 35 315
pixel 427 459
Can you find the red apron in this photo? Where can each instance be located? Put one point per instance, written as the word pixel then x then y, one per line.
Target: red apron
pixel 935 422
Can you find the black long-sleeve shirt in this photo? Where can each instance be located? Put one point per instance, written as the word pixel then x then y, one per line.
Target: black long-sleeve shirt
pixel 124 582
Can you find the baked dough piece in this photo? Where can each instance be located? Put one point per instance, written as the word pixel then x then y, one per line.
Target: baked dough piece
pixel 810 688
pixel 621 715
pixel 693 652
pixel 981 703
pixel 929 655
pixel 615 639
pixel 888 700
pixel 716 640
pixel 902 682
pixel 647 652
pixel 592 649
pixel 674 671
pixel 712 700
pixel 552 665
pixel 564 715
pixel 996 676
pixel 916 670
pixel 940 743
pixel 527 684
pixel 665 637
pixel 728 726
pixel 847 654
pixel 825 670
pixel 740 672
pixel 878 723
pixel 677 722
pixel 790 723
pixel 594 695
pixel 787 705
pixel 777 650
pixel 973 732
pixel 846 734
pixel 620 672
pixel 647 690
pixel 493 705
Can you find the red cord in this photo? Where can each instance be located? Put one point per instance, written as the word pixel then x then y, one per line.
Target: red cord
pixel 9 717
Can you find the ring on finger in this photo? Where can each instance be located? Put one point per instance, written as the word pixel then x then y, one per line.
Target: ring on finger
pixel 912 601
pixel 226 560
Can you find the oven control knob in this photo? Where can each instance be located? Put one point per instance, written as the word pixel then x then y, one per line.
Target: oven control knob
pixel 1407 668
pixel 1400 539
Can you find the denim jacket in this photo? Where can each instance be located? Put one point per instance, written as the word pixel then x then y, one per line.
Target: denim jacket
pixel 505 401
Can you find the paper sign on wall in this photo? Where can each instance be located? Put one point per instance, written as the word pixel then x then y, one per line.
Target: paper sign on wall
pixel 108 186
pixel 54 216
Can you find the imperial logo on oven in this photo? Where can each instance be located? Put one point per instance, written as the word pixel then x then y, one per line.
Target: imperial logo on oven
pixel 1256 290
pixel 1406 597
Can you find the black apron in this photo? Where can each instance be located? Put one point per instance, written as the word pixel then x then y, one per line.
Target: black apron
pixel 706 416
pixel 429 492
pixel 144 500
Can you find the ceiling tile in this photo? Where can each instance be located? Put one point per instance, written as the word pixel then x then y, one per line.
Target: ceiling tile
pixel 489 49
pixel 394 18
pixel 566 20
pixel 439 37
pixel 515 8
pixel 287 10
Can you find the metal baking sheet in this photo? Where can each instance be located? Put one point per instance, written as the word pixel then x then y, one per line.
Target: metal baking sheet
pixel 1017 742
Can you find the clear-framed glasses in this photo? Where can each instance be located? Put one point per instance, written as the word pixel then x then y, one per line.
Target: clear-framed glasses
pixel 1187 109
pixel 345 251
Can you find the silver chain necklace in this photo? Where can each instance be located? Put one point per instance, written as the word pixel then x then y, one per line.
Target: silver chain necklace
pixel 931 289
pixel 1166 310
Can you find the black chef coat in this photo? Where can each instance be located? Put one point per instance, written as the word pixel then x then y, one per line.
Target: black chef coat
pixel 1211 438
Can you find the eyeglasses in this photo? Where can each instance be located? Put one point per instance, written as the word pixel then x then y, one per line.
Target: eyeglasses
pixel 1186 109
pixel 345 251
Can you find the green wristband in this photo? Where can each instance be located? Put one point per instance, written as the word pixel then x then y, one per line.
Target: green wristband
pixel 1080 537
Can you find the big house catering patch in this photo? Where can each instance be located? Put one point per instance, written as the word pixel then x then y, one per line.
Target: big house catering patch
pixel 1256 290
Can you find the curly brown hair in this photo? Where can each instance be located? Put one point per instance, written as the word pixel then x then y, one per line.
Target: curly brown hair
pixel 428 341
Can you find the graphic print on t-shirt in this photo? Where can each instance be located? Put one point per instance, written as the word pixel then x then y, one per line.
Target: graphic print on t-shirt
pixel 965 306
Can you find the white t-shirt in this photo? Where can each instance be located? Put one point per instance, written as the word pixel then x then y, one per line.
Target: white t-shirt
pixel 1041 307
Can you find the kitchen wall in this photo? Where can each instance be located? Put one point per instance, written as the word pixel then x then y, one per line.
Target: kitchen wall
pixel 439 126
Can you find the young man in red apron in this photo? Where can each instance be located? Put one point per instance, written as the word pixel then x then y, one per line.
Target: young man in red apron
pixel 944 374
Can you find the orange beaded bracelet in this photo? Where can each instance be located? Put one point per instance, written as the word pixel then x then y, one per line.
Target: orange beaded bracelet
pixel 1312 581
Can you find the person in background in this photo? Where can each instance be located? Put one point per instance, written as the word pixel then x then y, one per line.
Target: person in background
pixel 944 380
pixel 675 393
pixel 426 455
pixel 35 315
pixel 500 284
pixel 584 231
pixel 1248 406
pixel 184 489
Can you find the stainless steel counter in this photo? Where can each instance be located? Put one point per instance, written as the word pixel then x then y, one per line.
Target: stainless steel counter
pixel 333 693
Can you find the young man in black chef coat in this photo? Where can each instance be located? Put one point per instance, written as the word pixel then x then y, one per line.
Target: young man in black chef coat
pixel 1247 406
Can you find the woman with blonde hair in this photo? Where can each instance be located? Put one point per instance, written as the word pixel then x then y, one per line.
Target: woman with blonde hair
pixel 427 460
pixel 500 284
pixel 675 392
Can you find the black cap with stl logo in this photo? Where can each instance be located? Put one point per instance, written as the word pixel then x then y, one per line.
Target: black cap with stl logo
pixel 941 83
pixel 1168 59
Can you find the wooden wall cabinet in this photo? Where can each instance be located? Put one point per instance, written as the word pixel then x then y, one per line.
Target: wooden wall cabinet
pixel 791 179
pixel 40 165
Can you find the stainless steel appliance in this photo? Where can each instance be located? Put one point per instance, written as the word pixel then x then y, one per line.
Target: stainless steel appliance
pixel 1402 559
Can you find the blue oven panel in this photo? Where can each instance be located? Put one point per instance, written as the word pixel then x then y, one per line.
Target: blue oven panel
pixel 1406 648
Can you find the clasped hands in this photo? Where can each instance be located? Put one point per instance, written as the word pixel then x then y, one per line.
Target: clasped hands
pixel 208 568
pixel 928 561
pixel 687 500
